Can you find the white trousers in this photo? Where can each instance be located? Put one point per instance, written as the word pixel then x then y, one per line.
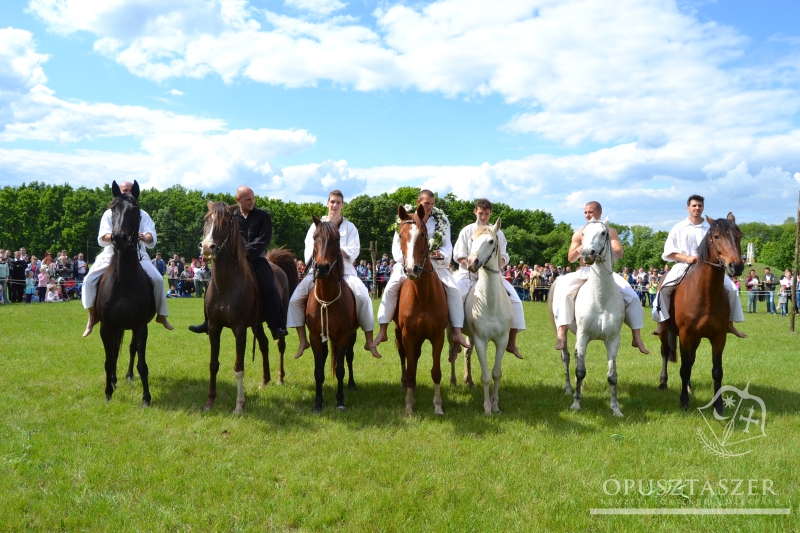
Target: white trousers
pixel 567 289
pixel 664 296
pixel 466 280
pixel 455 306
pixel 101 264
pixel 297 305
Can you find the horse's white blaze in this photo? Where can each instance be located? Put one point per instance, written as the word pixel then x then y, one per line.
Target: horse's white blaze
pixel 207 238
pixel 412 243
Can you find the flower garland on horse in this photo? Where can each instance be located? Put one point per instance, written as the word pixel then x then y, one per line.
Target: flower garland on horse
pixel 441 225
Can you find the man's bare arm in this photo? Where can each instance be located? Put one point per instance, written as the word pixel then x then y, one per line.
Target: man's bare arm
pixel 575 246
pixel 615 244
pixel 682 258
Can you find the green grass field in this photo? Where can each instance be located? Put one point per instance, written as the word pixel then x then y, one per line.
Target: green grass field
pixel 71 462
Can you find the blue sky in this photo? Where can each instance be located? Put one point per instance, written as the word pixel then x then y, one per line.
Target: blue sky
pixel 540 104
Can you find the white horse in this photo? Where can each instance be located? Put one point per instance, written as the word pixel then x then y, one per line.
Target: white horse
pixel 487 312
pixel 599 310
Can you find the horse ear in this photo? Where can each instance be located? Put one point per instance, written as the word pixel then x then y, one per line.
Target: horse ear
pixel 232 208
pixel 315 220
pixel 710 220
pixel 115 189
pixel 402 214
pixel 210 204
pixel 497 225
pixel 420 212
pixel 732 218
pixel 339 224
pixel 606 222
pixel 135 189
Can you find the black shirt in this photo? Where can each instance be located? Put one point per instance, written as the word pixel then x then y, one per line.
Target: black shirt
pixel 256 230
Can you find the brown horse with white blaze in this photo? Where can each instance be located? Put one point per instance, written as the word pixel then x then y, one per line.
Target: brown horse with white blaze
pixel 421 312
pixel 700 307
pixel 331 312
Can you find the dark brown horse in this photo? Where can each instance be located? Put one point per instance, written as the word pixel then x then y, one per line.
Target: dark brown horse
pixel 700 307
pixel 233 299
pixel 330 311
pixel 125 293
pixel 422 307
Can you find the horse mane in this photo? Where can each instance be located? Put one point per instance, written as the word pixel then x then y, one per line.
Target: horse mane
pixel 328 231
pixel 480 230
pixel 724 225
pixel 235 244
pixel 285 260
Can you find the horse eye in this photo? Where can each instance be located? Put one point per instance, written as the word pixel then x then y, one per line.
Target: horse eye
pixel 716 236
pixel 602 233
pixel 491 241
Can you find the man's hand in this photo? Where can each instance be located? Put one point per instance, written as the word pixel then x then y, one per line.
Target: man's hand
pixel 146 237
pixel 691 259
pixel 437 255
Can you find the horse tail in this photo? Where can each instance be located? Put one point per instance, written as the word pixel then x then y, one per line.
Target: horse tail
pixel 285 260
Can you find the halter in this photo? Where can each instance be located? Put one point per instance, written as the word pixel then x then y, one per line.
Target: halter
pixel 719 264
pixel 424 259
pixel 495 250
pixel 325 321
pixel 601 255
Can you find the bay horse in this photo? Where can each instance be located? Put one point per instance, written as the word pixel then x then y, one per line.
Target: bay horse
pixel 599 311
pixel 421 312
pixel 487 311
pixel 233 298
pixel 125 293
pixel 330 293
pixel 700 308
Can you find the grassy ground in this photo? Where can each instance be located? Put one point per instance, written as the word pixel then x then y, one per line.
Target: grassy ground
pixel 71 462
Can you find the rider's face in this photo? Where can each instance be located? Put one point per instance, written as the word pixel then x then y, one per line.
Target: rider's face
pixel 483 215
pixel 246 201
pixel 334 206
pixel 695 209
pixel 427 203
pixel 591 211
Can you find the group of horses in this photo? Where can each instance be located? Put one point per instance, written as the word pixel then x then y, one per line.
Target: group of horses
pixel 125 301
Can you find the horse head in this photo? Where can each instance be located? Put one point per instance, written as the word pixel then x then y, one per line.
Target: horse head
pixel 724 241
pixel 327 253
pixel 218 228
pixel 484 246
pixel 596 242
pixel 413 234
pixel 125 217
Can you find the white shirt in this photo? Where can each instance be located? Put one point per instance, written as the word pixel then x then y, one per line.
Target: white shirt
pixel 464 243
pixel 146 226
pixel 684 238
pixel 446 249
pixel 349 243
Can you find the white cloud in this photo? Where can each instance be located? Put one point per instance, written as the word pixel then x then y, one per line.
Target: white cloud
pixel 323 7
pixel 176 92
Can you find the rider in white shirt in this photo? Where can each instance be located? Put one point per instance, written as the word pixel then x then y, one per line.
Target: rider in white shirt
pixel 466 279
pixel 440 259
pixel 350 246
pixel 681 247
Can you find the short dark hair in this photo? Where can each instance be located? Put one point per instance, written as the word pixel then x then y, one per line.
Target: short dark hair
pixel 596 205
pixel 336 192
pixel 425 192
pixel 483 203
pixel 696 198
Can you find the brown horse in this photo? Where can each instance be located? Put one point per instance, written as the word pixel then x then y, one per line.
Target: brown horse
pixel 331 313
pixel 125 293
pixel 700 308
pixel 233 299
pixel 421 312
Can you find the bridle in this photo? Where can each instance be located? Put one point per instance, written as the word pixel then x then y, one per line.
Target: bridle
pixel 495 250
pixel 222 246
pixel 719 264
pixel 600 257
pixel 325 320
pixel 424 259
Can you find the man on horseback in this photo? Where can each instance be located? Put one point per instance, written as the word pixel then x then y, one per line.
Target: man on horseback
pixel 466 279
pixel 147 239
pixel 255 228
pixel 440 259
pixel 350 246
pixel 567 288
pixel 681 248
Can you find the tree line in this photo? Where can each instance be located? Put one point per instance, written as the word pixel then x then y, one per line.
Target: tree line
pixel 44 217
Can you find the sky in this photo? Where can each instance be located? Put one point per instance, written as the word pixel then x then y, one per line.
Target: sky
pixel 541 104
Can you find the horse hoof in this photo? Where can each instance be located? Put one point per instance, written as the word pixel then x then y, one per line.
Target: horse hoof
pixel 568 391
pixel 487 411
pixel 238 411
pixel 318 409
pixel 341 407
pixel 436 410
pixel 576 406
pixel 685 406
pixel 495 410
pixel 410 411
pixel 352 386
pixel 662 386
pixel 617 413
pixel 453 382
pixel 279 382
pixel 108 398
pixel 129 378
pixel 145 403
pixel 208 406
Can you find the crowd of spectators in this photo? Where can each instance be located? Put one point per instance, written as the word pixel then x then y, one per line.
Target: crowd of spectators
pixel 28 279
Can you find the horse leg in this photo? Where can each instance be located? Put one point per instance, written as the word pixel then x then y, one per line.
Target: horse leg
pixel 213 367
pixel 565 360
pixel 281 350
pixel 468 368
pixel 401 351
pixel 497 371
pixel 144 372
pixel 349 355
pixel 132 351
pixel 320 356
pixel 238 368
pixel 263 346
pixel 717 346
pixel 411 374
pixel 436 374
pixel 340 352
pixel 452 355
pixel 580 369
pixel 688 354
pixel 612 349
pixel 111 344
pixel 486 379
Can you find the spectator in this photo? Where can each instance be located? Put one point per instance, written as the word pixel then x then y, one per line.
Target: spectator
pixel 173 293
pixel 536 284
pixel 53 294
pixel 752 283
pixel 185 284
pixel 4 272
pixel 80 267
pixel 770 282
pixel 652 288
pixel 301 269
pixel 44 277
pixel 159 264
pixel 172 274
pixel 201 279
pixel 786 292
pixel 641 289
pixel 33 266
pixel 64 265
pixel 16 289
pixel 30 286
pixel 369 277
pixel 361 272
